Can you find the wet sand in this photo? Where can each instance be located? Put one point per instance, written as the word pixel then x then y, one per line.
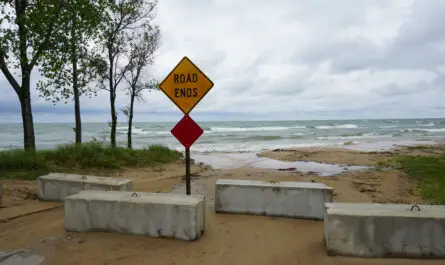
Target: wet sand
pixel 229 239
pixel 347 156
pixel 252 160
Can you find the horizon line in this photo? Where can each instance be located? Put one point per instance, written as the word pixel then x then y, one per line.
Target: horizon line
pixel 197 120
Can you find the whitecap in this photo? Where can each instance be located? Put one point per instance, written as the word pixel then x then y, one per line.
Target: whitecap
pixel 431 124
pixel 433 130
pixel 387 126
pixel 253 129
pixel 342 126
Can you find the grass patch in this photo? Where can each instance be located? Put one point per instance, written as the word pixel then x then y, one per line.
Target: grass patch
pixel 429 172
pixel 21 164
pixel 419 147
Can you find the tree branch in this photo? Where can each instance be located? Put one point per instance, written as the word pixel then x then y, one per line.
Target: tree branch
pixel 7 73
pixel 121 75
pixel 128 79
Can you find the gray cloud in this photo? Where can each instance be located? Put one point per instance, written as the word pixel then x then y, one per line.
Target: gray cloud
pixel 420 40
pixel 292 60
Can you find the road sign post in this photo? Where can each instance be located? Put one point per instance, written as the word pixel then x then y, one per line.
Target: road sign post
pixel 187 131
pixel 187 172
pixel 186 85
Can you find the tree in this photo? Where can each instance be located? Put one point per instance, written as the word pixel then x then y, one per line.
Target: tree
pixel 135 93
pixel 140 56
pixel 126 17
pixel 26 29
pixel 67 79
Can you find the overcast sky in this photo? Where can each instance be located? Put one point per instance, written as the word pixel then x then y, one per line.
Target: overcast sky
pixel 288 59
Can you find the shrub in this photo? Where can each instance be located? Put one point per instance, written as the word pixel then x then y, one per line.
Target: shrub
pixel 91 155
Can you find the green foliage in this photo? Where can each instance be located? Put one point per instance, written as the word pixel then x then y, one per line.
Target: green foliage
pixel 68 64
pixel 39 20
pixel 22 160
pixel 430 172
pixel 162 154
pixel 92 155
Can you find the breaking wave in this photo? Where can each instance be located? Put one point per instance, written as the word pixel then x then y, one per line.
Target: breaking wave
pixel 431 124
pixel 263 138
pixel 434 130
pixel 342 126
pixel 139 131
pixel 352 136
pixel 387 126
pixel 254 129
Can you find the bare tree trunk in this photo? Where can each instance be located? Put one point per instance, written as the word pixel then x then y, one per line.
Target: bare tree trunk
pixel 25 94
pixel 28 123
pixel 130 120
pixel 77 109
pixel 75 83
pixel 113 121
pixel 112 100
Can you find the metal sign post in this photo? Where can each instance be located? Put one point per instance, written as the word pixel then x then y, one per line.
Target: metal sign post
pixel 187 172
pixel 186 85
pixel 187 131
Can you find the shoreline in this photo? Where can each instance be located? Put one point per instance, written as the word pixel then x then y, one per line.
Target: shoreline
pixel 232 235
pixel 377 146
pixel 332 155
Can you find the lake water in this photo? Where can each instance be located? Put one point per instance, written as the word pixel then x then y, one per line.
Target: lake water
pixel 247 136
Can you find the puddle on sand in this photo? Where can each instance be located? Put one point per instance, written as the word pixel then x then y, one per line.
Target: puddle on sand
pixel 237 160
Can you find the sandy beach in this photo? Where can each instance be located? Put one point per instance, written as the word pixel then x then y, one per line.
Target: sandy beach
pixel 26 223
pixel 306 129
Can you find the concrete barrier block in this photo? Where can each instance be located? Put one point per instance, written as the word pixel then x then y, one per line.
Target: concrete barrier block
pixel 57 186
pixel 154 214
pixel 286 199
pixel 385 230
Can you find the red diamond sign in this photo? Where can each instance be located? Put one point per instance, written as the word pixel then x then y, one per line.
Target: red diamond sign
pixel 187 131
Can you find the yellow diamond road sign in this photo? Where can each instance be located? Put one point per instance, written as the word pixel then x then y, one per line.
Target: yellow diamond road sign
pixel 186 85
